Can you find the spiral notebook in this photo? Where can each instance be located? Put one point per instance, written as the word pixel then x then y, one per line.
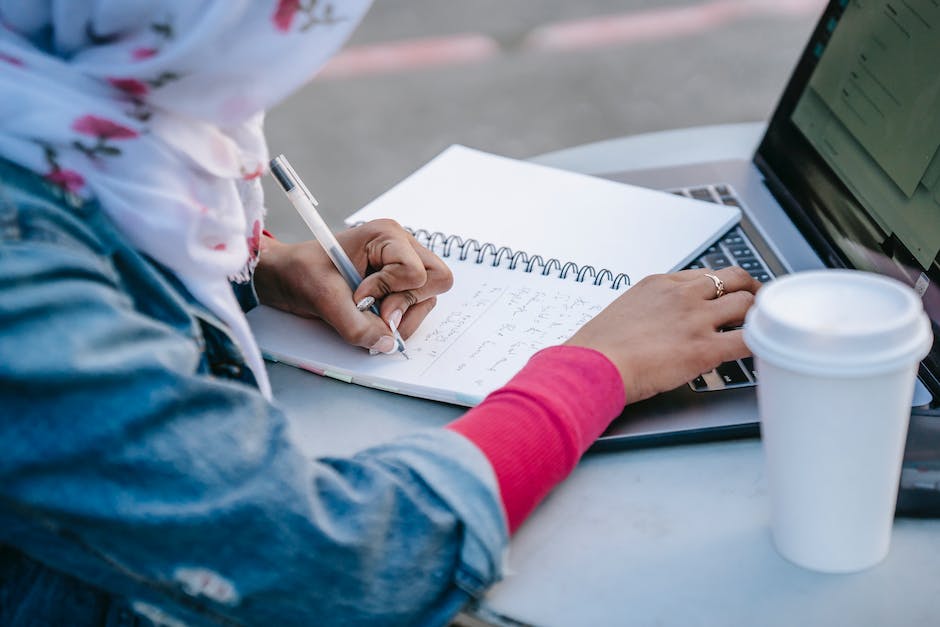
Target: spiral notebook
pixel 536 252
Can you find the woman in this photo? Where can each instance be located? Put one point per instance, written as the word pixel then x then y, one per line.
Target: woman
pixel 148 475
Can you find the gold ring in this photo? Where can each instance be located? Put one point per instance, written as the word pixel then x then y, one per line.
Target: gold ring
pixel 719 285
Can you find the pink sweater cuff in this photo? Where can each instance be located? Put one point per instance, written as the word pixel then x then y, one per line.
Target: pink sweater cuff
pixel 534 429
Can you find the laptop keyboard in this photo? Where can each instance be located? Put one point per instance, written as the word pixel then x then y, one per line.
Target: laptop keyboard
pixel 732 249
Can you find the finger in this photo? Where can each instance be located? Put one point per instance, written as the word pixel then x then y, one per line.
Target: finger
pixel 359 328
pixel 439 280
pixel 732 279
pixel 415 316
pixel 730 345
pixel 365 329
pixel 400 268
pixel 730 309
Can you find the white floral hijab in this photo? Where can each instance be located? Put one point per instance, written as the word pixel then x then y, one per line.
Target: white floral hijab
pixel 155 107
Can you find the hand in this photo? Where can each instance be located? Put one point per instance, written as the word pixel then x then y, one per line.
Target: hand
pixel 666 329
pixel 403 276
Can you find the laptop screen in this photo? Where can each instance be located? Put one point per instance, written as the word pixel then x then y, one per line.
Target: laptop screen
pixel 853 149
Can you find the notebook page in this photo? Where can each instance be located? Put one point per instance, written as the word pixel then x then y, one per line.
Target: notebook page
pixel 477 337
pixel 552 213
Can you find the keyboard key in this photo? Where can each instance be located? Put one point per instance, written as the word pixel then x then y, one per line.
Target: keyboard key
pixel 698 384
pixel 716 261
pixel 751 265
pixel 741 252
pixel 748 363
pixel 733 248
pixel 731 373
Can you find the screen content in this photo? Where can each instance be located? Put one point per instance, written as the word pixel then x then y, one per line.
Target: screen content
pixel 871 110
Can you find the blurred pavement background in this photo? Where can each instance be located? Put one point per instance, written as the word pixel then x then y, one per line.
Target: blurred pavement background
pixel 524 77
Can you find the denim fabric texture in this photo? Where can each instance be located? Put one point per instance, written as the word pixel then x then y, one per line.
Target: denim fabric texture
pixel 144 479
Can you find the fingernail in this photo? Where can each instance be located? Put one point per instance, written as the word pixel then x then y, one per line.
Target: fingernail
pixel 395 319
pixel 385 345
pixel 365 303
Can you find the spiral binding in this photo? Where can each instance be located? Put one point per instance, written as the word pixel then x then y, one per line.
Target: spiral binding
pixel 477 252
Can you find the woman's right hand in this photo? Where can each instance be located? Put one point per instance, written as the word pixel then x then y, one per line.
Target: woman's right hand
pixel 401 275
pixel 667 329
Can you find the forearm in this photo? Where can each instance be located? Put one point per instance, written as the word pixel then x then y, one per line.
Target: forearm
pixel 535 428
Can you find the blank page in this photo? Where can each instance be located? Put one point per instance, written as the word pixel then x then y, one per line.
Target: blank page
pixel 552 213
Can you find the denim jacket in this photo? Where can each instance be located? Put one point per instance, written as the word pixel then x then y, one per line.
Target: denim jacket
pixel 145 479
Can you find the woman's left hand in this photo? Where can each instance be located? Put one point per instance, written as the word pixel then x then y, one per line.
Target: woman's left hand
pixel 401 275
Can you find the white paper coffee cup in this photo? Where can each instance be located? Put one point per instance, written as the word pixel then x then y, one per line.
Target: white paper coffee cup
pixel 837 354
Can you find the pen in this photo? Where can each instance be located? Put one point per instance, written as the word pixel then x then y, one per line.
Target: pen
pixel 306 206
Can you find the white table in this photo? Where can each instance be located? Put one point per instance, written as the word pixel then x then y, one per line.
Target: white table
pixel 671 536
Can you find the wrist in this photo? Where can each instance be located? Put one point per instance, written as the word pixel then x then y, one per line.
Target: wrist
pixel 269 276
pixel 624 366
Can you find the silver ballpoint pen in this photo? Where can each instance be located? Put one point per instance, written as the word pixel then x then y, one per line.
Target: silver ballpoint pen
pixel 306 206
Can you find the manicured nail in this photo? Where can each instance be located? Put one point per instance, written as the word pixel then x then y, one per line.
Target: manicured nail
pixel 365 303
pixel 385 345
pixel 395 319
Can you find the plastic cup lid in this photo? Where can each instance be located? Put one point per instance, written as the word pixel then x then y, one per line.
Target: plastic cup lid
pixel 838 322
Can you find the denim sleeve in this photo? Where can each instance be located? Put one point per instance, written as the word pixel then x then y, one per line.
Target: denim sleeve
pixel 127 468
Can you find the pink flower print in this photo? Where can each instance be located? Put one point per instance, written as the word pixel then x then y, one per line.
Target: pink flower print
pixel 130 86
pixel 139 54
pixel 102 128
pixel 69 180
pixel 284 14
pixel 288 9
pixel 254 174
pixel 11 59
pixel 220 246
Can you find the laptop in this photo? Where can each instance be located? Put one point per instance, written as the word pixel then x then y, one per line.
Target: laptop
pixel 847 175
